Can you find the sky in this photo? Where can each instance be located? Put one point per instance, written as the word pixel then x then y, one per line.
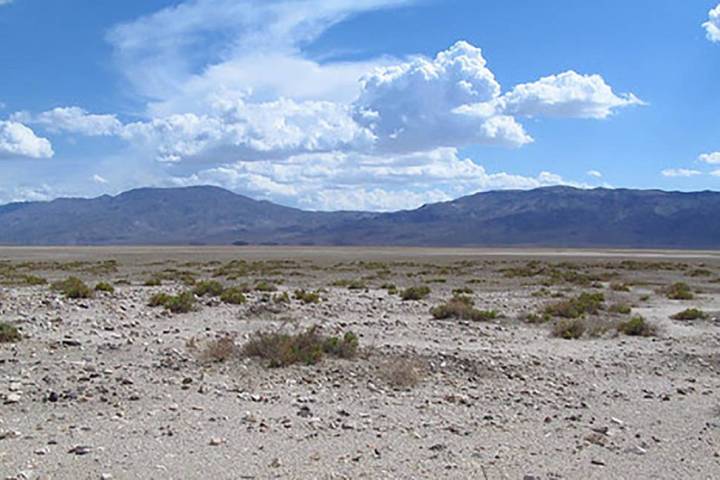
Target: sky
pixel 357 104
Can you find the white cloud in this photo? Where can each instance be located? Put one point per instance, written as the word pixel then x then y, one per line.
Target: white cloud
pixel 336 180
pixel 568 95
pixel 711 158
pixel 680 172
pixel 17 140
pixel 99 179
pixel 5 2
pixel 77 120
pixel 419 104
pixel 712 26
pixel 594 173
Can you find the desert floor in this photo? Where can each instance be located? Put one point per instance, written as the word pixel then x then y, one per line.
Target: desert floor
pixel 110 387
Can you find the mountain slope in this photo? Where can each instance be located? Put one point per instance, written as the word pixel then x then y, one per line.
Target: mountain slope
pixel 555 216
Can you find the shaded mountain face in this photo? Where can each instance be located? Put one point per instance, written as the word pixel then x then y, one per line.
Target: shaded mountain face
pixel 555 216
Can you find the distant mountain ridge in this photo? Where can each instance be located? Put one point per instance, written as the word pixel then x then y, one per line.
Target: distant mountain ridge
pixel 552 217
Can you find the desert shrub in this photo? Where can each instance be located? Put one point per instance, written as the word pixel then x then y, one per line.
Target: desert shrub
pixel 569 328
pixel 154 281
pixel 233 296
pixel 585 303
pixel 181 303
pixel 463 291
pixel 211 288
pixel 620 308
pixel 690 314
pixel 415 293
pixel 462 308
pixel 679 291
pixel 265 286
pixel 390 287
pixel 9 333
pixel 619 287
pixel 220 350
pixel 345 347
pixel 307 297
pixel 637 327
pixel 402 373
pixel 158 300
pixel 536 318
pixel 33 280
pixel 104 287
pixel 700 272
pixel 283 297
pixel 73 287
pixel 307 347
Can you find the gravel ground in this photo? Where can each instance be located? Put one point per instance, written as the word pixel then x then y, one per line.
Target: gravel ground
pixel 108 387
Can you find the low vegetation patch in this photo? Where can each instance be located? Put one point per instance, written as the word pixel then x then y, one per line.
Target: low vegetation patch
pixel 210 288
pixel 637 327
pixel 233 296
pixel 307 297
pixel 9 333
pixel 462 307
pixel 679 291
pixel 415 293
pixel 104 287
pixel 73 287
pixel 308 347
pixel 390 287
pixel 402 373
pixel 264 286
pixel 182 303
pixel 621 308
pixel 619 287
pixel 690 314
pixel 585 303
pixel 220 350
pixel 569 328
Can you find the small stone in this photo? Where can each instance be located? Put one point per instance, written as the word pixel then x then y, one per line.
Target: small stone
pixel 80 450
pixel 216 441
pixel 12 398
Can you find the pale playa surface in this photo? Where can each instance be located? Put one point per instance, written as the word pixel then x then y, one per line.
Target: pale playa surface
pixel 500 399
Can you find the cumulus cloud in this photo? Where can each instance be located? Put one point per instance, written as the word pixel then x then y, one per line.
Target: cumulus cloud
pixel 337 180
pixel 680 172
pixel 594 173
pixel 711 158
pixel 419 104
pixel 568 95
pixel 76 120
pixel 17 140
pixel 712 26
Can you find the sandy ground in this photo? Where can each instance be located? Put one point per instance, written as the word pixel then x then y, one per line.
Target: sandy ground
pixel 109 387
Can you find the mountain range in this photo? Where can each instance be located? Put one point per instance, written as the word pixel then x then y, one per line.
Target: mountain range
pixel 552 217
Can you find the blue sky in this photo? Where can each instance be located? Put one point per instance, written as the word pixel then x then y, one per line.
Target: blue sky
pixel 372 104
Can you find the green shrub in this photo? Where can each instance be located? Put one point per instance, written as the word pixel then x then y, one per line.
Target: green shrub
pixel 569 328
pixel 158 300
pixel 104 287
pixel 620 308
pixel 679 291
pixel 233 296
pixel 154 281
pixel 264 286
pixel 73 287
pixel 181 303
pixel 415 293
pixel 637 327
pixel 308 347
pixel 463 291
pixel 690 314
pixel 390 287
pixel 8 333
pixel 307 297
pixel 211 288
pixel 585 303
pixel 283 297
pixel 33 280
pixel 462 308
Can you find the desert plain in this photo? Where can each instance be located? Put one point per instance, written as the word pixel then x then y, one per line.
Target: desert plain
pixel 347 363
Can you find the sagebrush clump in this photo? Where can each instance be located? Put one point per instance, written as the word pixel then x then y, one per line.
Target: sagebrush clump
pixel 462 307
pixel 181 303
pixel 585 303
pixel 9 333
pixel 415 293
pixel 308 347
pixel 690 314
pixel 73 287
pixel 637 327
